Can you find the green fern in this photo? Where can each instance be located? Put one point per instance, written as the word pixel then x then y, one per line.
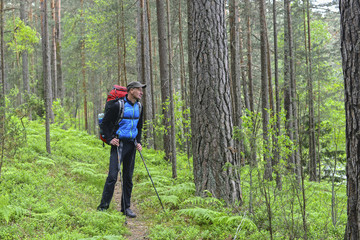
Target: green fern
pixel 205 202
pixel 84 169
pixel 53 213
pixel 234 221
pixel 170 200
pixel 109 237
pixel 201 215
pixel 180 189
pixel 7 212
pixel 44 161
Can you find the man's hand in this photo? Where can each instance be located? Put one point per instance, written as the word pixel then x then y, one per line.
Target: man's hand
pixel 115 142
pixel 139 147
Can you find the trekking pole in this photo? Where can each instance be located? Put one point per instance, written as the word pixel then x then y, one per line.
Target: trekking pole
pixel 150 177
pixel 121 183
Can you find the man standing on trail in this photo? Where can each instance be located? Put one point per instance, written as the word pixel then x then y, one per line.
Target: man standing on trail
pixel 124 138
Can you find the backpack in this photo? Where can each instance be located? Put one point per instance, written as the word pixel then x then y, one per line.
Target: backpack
pixel 117 93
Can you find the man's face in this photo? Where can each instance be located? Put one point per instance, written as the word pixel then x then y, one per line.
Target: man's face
pixel 136 93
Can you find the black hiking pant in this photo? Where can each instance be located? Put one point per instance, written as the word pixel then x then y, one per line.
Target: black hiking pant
pixel 126 152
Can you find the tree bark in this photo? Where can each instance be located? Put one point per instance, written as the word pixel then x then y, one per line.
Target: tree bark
pixel 151 90
pixel 294 99
pixel 264 89
pixel 189 5
pixel 2 85
pixel 287 87
pixel 171 96
pixel 253 158
pixel 164 75
pixel 53 53
pixel 235 69
pixel 144 73
pixel 243 69
pixel 59 75
pixel 277 99
pixel 184 95
pixel 312 141
pixel 123 44
pixel 290 92
pixel 46 70
pixel 211 118
pixel 83 67
pixel 350 51
pixel 25 61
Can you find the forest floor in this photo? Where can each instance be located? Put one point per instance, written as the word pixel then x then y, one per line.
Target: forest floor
pixel 138 227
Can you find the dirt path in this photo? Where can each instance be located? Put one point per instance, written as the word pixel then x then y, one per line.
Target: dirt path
pixel 136 226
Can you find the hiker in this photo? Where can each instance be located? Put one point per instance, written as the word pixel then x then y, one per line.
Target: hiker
pixel 122 139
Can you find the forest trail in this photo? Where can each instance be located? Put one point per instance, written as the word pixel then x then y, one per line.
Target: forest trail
pixel 138 226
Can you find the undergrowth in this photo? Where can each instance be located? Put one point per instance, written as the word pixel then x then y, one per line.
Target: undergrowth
pixel 187 216
pixel 55 197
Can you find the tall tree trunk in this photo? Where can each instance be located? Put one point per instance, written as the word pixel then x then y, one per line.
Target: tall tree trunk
pixel 143 62
pixel 235 64
pixel 312 141
pixel 294 98
pixel 189 6
pixel 164 75
pixel 2 86
pixel 243 69
pixel 60 81
pixel 83 67
pixel 46 70
pixel 189 10
pixel 184 95
pixel 350 35
pixel 211 118
pixel 290 91
pixel 235 80
pixel 277 99
pixel 95 97
pixel 249 54
pixel 53 52
pixel 287 87
pixel 123 44
pixel 253 160
pixel 171 97
pixel 25 61
pixel 264 89
pixel 151 83
pixel 147 67
pixel 253 155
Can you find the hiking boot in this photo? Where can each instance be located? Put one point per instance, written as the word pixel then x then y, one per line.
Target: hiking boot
pixel 129 213
pixel 101 209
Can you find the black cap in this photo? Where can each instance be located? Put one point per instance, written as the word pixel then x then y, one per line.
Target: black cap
pixel 135 84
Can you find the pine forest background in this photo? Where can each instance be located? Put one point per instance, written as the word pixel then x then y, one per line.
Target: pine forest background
pixel 248 96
